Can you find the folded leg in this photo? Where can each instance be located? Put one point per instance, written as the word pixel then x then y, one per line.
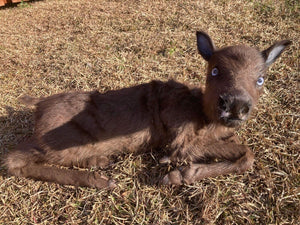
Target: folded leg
pixel 234 158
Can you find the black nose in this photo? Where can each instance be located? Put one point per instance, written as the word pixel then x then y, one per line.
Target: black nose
pixel 234 107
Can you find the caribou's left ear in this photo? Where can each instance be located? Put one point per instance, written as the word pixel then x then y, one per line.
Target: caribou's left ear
pixel 205 45
pixel 273 52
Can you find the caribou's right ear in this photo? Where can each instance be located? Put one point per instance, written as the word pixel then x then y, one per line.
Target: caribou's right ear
pixel 205 45
pixel 273 52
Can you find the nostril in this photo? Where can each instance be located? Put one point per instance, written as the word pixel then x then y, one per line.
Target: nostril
pixel 245 109
pixel 223 103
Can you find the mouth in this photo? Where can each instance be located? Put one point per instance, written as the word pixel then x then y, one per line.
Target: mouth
pixel 231 122
pixel 229 119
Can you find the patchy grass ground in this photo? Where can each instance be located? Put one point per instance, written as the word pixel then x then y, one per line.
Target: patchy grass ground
pixel 51 46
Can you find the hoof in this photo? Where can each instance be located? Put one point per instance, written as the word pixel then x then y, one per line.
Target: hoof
pixel 164 160
pixel 112 184
pixel 172 178
pixel 165 180
pixel 99 181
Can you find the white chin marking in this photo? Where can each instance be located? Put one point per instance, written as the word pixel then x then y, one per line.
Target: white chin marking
pixel 224 114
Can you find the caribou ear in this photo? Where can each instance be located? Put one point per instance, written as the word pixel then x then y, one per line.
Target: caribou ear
pixel 205 45
pixel 273 52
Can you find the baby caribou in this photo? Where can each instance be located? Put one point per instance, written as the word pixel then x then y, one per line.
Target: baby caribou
pixel 85 129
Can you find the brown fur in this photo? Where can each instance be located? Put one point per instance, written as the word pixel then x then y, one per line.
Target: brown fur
pixel 86 129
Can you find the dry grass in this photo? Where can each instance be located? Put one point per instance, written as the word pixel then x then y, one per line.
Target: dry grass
pixel 53 46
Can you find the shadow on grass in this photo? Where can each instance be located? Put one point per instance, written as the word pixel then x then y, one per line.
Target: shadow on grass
pixel 15 126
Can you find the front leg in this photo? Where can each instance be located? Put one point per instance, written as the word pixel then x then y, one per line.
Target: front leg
pixel 237 159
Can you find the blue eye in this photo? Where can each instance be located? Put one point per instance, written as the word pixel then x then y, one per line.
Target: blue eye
pixel 215 71
pixel 260 81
